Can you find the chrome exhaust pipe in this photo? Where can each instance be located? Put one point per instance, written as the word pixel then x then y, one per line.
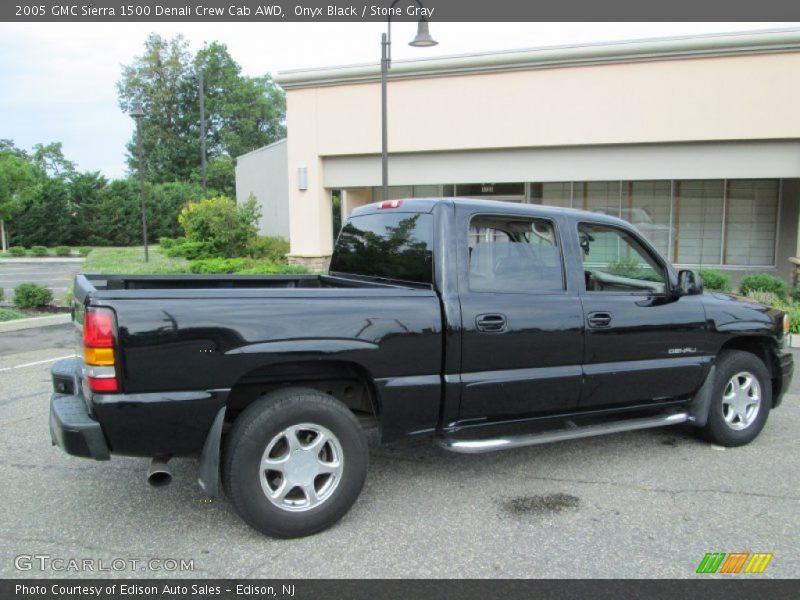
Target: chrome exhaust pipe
pixel 159 475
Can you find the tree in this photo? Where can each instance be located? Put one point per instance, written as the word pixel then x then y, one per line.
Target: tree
pixel 242 113
pixel 50 160
pixel 18 177
pixel 159 80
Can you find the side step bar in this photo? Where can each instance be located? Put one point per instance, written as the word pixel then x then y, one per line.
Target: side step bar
pixel 571 432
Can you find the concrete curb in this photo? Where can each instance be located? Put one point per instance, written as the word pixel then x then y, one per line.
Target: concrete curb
pixel 38 261
pixel 20 324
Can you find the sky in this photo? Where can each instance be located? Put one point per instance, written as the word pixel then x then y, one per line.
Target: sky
pixel 57 80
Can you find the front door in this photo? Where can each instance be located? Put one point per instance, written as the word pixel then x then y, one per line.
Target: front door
pixel 643 345
pixel 522 329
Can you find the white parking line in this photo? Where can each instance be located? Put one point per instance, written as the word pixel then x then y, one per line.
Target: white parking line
pixel 37 362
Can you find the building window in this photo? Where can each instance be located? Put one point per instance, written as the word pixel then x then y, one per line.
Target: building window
pixel 711 222
pixel 698 221
pixel 751 218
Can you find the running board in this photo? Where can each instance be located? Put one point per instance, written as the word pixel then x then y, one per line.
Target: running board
pixel 571 432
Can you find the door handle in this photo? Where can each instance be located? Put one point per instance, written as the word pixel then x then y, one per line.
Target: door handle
pixel 492 323
pixel 599 319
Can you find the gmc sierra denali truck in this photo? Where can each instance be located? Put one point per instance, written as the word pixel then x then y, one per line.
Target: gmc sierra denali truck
pixel 485 325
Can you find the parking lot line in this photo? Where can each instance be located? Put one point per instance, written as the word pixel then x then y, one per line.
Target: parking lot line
pixel 36 362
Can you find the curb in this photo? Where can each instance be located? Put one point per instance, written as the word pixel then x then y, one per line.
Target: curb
pixel 37 261
pixel 20 324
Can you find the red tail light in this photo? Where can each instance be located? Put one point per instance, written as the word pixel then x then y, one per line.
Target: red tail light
pixel 98 350
pixel 98 328
pixel 390 204
pixel 100 385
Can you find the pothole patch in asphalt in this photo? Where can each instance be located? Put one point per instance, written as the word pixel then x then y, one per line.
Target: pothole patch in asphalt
pixel 541 504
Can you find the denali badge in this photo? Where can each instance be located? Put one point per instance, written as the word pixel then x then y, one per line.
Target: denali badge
pixel 682 350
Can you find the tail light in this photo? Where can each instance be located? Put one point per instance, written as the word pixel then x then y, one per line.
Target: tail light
pixel 98 350
pixel 787 323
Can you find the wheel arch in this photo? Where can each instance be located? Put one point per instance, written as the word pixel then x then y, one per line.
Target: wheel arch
pixel 765 349
pixel 348 381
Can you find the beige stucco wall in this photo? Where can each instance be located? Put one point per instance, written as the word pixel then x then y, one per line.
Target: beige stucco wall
pixel 735 97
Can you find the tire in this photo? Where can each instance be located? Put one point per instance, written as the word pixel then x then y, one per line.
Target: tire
pixel 280 431
pixel 731 420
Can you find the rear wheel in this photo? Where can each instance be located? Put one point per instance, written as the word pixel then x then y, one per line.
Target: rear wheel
pixel 741 401
pixel 295 462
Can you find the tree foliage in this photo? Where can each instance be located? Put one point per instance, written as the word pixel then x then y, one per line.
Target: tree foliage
pixel 242 113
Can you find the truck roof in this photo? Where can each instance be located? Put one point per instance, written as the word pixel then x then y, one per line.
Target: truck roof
pixel 426 205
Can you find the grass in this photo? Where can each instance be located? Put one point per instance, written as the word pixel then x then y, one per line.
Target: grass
pixel 130 261
pixel 7 314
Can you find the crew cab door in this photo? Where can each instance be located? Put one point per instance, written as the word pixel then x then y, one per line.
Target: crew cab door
pixel 522 329
pixel 642 343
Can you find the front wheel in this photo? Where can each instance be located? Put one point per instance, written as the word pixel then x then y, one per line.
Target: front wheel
pixel 295 462
pixel 741 401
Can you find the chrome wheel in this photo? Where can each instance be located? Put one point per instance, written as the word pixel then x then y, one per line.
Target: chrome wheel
pixel 301 467
pixel 741 400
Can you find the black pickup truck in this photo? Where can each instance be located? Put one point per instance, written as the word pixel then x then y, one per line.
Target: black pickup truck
pixel 485 325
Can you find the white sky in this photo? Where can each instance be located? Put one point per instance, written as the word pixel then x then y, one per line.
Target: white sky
pixel 57 79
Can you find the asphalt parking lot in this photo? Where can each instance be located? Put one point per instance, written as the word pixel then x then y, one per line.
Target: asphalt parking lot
pixel 639 504
pixel 56 274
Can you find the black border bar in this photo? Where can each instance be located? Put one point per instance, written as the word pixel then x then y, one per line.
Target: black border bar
pixel 374 10
pixel 729 588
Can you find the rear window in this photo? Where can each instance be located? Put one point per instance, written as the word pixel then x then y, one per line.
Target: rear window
pixel 390 245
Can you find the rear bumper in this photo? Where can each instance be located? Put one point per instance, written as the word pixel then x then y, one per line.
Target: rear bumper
pixel 786 367
pixel 71 427
pixel 149 424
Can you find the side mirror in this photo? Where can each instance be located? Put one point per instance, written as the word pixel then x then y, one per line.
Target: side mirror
pixel 689 283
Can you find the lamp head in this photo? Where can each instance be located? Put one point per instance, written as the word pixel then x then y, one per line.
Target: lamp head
pixel 423 38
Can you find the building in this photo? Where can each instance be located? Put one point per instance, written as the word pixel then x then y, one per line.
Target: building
pixel 696 140
pixel 263 173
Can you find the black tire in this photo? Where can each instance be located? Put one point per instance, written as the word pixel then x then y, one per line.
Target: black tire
pixel 258 426
pixel 729 364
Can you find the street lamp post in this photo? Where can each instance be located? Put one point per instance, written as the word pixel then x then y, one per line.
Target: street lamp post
pixel 138 114
pixel 202 131
pixel 423 39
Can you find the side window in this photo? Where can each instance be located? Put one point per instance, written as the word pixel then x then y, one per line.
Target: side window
pixel 615 261
pixel 510 254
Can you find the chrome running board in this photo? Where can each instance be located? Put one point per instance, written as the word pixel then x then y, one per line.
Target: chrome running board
pixel 570 432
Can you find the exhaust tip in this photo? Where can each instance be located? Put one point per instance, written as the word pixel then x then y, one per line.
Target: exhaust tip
pixel 159 475
pixel 159 478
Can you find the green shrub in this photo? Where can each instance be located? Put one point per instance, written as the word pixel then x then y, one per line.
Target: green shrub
pixel 63 251
pixel 274 269
pixel 84 250
pixel 38 251
pixel 764 283
pixel 192 250
pixel 6 314
pixel 243 266
pixel 227 227
pixel 17 251
pixel 2 294
pixel 29 295
pixel 273 248
pixel 218 265
pixel 796 295
pixel 715 280
pixel 166 242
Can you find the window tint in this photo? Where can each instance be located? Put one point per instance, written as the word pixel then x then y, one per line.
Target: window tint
pixel 514 255
pixel 391 245
pixel 614 260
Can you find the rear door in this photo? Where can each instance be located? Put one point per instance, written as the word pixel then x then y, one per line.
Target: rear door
pixel 522 329
pixel 643 344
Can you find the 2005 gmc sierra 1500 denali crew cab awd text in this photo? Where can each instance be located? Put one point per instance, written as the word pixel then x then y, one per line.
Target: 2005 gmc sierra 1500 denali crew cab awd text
pixel 486 325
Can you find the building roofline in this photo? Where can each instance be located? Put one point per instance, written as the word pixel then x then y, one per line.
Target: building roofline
pixel 667 48
pixel 262 148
